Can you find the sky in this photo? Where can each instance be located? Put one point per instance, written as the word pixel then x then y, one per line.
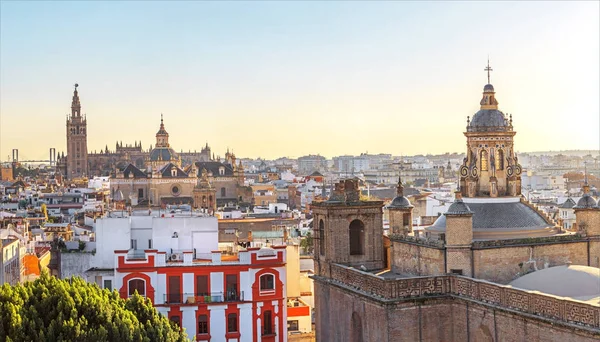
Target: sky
pixel 272 79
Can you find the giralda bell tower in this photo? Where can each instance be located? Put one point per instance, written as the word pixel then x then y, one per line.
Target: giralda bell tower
pixel 77 161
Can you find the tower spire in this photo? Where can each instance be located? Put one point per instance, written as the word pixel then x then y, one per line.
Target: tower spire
pixel 488 69
pixel 75 104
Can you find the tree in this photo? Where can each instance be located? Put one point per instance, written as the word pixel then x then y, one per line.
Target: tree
pixel 307 244
pixel 50 309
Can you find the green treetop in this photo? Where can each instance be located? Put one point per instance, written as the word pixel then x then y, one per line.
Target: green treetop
pixel 49 309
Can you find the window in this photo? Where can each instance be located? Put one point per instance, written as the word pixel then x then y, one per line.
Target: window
pixel 108 284
pixel 221 171
pixel 223 192
pixel 293 325
pixel 232 325
pixel 459 272
pixel 357 237
pixel 133 244
pixel 176 320
pixel 231 287
pixel 484 160
pixel 267 323
pixel 149 243
pixel 500 160
pixel 174 289
pixel 203 324
pixel 140 193
pixel 201 285
pixel 267 282
pixel 138 285
pixel 406 220
pixel 322 237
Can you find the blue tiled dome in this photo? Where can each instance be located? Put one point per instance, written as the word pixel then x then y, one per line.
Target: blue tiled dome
pixel 163 153
pixel 489 120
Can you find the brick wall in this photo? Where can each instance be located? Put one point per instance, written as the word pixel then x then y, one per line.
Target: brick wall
pixel 459 259
pixel 454 318
pixel 414 259
pixel 502 265
pixel 374 288
pixel 459 229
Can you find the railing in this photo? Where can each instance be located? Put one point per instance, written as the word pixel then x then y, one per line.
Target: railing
pixel 206 298
pixel 543 305
pixel 136 254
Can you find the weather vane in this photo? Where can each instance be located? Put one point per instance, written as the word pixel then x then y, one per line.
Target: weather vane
pixel 488 69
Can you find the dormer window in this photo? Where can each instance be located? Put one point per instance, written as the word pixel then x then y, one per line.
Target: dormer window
pixel 221 171
pixel 173 172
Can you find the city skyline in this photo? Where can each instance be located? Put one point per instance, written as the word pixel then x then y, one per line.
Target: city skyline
pixel 274 79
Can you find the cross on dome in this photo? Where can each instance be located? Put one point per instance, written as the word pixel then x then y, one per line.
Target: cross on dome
pixel 488 69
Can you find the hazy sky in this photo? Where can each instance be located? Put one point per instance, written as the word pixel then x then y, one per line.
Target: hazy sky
pixel 277 79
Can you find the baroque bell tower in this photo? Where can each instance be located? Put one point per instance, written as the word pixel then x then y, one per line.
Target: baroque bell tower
pixel 77 158
pixel 491 168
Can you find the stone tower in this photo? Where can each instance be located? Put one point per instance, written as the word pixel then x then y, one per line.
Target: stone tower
pixel 348 230
pixel 491 168
pixel 77 158
pixel 205 195
pixel 459 236
pixel 400 212
pixel 587 217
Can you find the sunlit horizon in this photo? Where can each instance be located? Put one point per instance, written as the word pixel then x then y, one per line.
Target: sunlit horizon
pixel 269 80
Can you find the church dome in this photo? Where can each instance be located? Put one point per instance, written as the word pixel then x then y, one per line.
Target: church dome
pixel 163 153
pixel 574 281
pixel 459 208
pixel 488 87
pixel 489 120
pixel 586 202
pixel 400 202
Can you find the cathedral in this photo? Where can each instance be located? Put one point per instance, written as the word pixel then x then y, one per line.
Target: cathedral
pixel 492 268
pixel 155 176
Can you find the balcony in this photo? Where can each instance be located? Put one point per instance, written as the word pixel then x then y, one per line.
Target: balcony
pixel 208 298
pixel 136 254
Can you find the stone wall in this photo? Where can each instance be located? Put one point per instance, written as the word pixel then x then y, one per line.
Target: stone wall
pixel 416 259
pixel 370 288
pixel 459 229
pixel 504 264
pixel 74 264
pixel 453 318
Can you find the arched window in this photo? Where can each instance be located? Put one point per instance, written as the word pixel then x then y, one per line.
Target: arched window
pixel 322 237
pixel 232 325
pixel 138 285
pixel 267 282
pixel 484 160
pixel 356 326
pixel 223 192
pixel 500 160
pixel 357 237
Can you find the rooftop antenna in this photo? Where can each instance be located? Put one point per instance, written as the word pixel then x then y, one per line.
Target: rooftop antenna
pixel 488 69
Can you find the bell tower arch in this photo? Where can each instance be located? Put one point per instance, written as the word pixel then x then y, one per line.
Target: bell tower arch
pixel 348 230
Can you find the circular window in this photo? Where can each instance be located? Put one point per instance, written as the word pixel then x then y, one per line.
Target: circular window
pixel 175 190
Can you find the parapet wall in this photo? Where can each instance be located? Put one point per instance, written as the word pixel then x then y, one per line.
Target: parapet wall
pixel 499 261
pixel 556 309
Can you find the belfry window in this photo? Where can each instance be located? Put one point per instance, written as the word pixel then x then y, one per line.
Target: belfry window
pixel 322 237
pixel 484 160
pixel 500 160
pixel 357 237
